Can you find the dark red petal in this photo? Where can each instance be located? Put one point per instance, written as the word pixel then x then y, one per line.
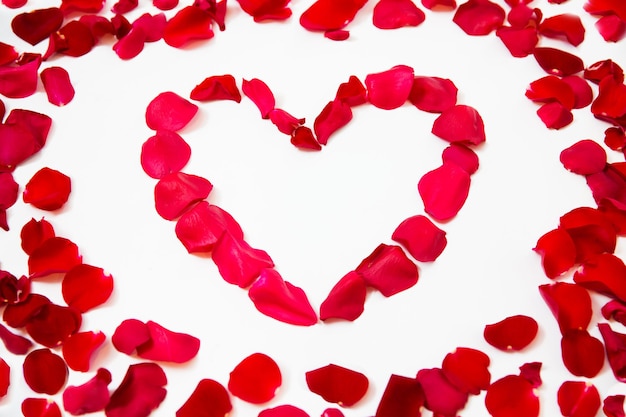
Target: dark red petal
pixel 40 407
pixel 520 42
pixel 44 371
pixel 394 14
pixel 121 26
pixel 79 348
pixel 5 378
pixel 388 270
pixel 352 92
pixel 578 399
pixel 266 9
pixel 17 143
pixel 462 156
pixel 56 82
pixel 567 26
pixel 611 27
pixel 614 310
pixel 281 300
pixel 8 55
pixel 608 187
pixel 585 157
pixel 444 191
pixel 583 354
pixel 551 88
pixel 217 87
pixel 8 190
pixel 189 24
pixel 283 411
pixel 479 17
pixel 169 111
pixel 346 299
pixel 304 139
pixel 460 123
pixel 176 192
pixel 333 117
pixel 19 81
pixel 260 94
pixel 512 396
pixel 582 90
pixel 433 94
pixel 99 26
pixel 48 189
pixel 615 138
pixel 390 89
pixel 597 71
pixel 13 290
pixel 337 384
pixel 124 6
pixel 569 303
pixel 85 287
pixel 558 62
pixel 53 324
pixel 326 15
pixel 604 273
pixel 337 35
pixel 208 399
pixel 531 371
pixel 90 397
pixel 467 369
pixel 255 379
pixel 557 251
pixel 512 333
pixel 74 39
pixel 86 6
pixel 613 406
pixel 441 397
pixel 131 44
pixel 168 346
pixel 141 391
pixel 36 123
pixel 129 335
pixel 54 255
pixel 238 262
pixel 555 115
pixel 422 239
pixel 592 231
pixel 615 344
pixel 402 397
pixel 285 122
pixel 200 228
pixel 37 25
pixel 14 343
pixel 18 315
pixel 164 153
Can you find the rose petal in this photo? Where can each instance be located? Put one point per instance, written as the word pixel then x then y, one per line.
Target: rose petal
pixel 346 299
pixel 467 369
pixel 439 4
pixel 8 55
pixel 335 115
pixel 578 399
pixel 611 27
pixel 90 397
pixel 266 9
pixel 73 39
pixel 168 346
pixel 121 26
pixel 512 333
pixel 200 228
pixel 79 348
pixel 327 15
pixel 337 384
pixel 557 251
pixel 40 407
pixel 37 25
pixel 460 124
pixel 52 325
pixel 304 139
pixel 605 274
pixel 462 156
pixel 444 191
pixel 555 115
pixel 124 6
pixel 129 335
pixel 58 86
pixel 402 397
pixel 140 392
pixel 614 406
pixel 54 255
pixel 238 262
pixel 48 189
pixel 585 157
pixel 583 354
pixel 390 89
pixel 217 87
pixel 165 4
pixel 332 412
pixel 433 94
pixel 558 62
pixel 394 14
pixel 608 186
pixel 283 411
pixel 44 371
pixel 352 92
pixel 615 138
pixel 12 290
pixel 22 135
pixel 260 94
pixel 177 192
pixel 551 88
pixel 99 26
pixel 189 24
pixel 599 70
pixel 611 101
pixel 255 379
pixel 281 300
pixel 569 303
pixel 5 378
pixel 582 90
pixel 606 6
pixel 164 153
pixel 591 230
pixel 337 35
pixel 422 239
pixel 479 17
pixel 34 233
pixel 615 344
pixel 169 111
pixel 285 122
pixel 131 44
pixel 86 6
pixel 153 26
pixel 531 372
pixel 388 270
pixel 14 343
pixel 85 287
pixel 512 396
pixel 567 26
pixel 8 190
pixel 19 81
pixel 19 314
pixel 441 397
pixel 209 399
pixel 520 42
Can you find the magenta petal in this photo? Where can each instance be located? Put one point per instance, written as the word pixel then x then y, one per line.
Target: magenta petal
pixel 169 111
pixel 346 299
pixel 130 334
pixel 433 94
pixel 200 228
pixel 388 270
pixel 285 122
pixel 444 191
pixel 328 15
pixel 260 94
pixel 58 86
pixel 140 392
pixel 390 89
pixel 176 192
pixel 238 262
pixel 333 117
pixel 90 397
pixel 352 92
pixel 479 17
pixel 281 300
pixel 164 153
pixel 394 14
pixel 460 124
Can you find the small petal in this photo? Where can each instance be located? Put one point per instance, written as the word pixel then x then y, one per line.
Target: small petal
pixel 444 191
pixel 209 399
pixel 200 228
pixel 285 122
pixel 131 44
pixel 255 379
pixel 8 190
pixel 73 39
pixel 44 371
pixel 388 270
pixel 352 92
pixel 217 87
pixel 337 35
pixel 460 124
pixel 19 81
pixel 582 91
pixel 578 399
pixel 422 239
pixel 512 396
pixel 462 156
pixel 512 333
pixel 53 324
pixel 266 9
pixel 613 406
pixel 177 192
pixel 85 287
pixel 591 230
pixel 140 392
pixel 479 17
pixel 555 115
pixel 14 343
pixel 558 62
pixel 346 299
pixel 324 15
pixel 304 139
pixel 79 348
pixel 129 335
pixel 283 411
pixel 5 378
pixel 394 14
pixel 611 28
pixel 90 397
pixel 333 117
pixel 615 344
pixel 168 346
pixel 260 94
pixel 583 354
pixel 56 81
pixel 40 407
pixel 390 89
pixel 48 189
pixel 604 273
pixel 238 262
pixel 598 71
pixel 433 94
pixel 337 384
pixel 169 111
pixel 164 153
pixel 34 233
pixel 153 26
pixel 551 88
pixel 520 42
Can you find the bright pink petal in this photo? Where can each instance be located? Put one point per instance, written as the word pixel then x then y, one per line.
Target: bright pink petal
pixel 238 262
pixel 304 139
pixel 555 116
pixel 266 9
pixel 388 270
pixel 90 397
pixel 281 300
pixel 346 299
pixel 140 392
pixel 217 87
pixel 85 287
pixel 40 407
pixel 441 397
pixel 285 122
pixel 129 335
pixel 512 396
pixel 164 153
pixel 394 14
pixel 583 354
pixel 324 15
pixel 48 189
pixel 520 42
pixel 460 124
pixel 569 303
pixel 613 406
pixel 551 88
pixel 34 233
pixel 402 397
pixel 467 369
pixel 255 379
pixel 567 26
pixel 37 25
pixel 168 346
pixel 582 90
pixel 283 411
pixel 58 86
pixel 19 81
pixel 479 17
pixel 14 343
pixel 260 94
pixel 558 62
pixel 557 251
pixel 433 94
pixel 54 255
pixel 422 239
pixel 352 92
pixel 52 325
pixel 390 89
pixel 131 44
pixel 79 348
pixel 605 274
pixel 189 24
pixel 444 191
pixel 512 333
pixel 462 156
pixel 578 399
pixel 611 28
pixel 335 115
pixel 615 344
pixel 169 111
pixel 337 384
pixel 176 192
pixel 44 371
pixel 585 157
pixel 208 399
pixel 200 228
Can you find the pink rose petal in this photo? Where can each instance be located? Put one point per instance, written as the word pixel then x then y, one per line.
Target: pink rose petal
pixel 131 44
pixel 462 156
pixel 285 122
pixel 479 17
pixel 153 26
pixel 304 139
pixel 5 378
pixel 238 262
pixel 90 397
pixel 388 270
pixel 176 192
pixel 164 153
pixel 129 335
pixel 460 124
pixel 352 92
pixel 394 14
pixel 346 299
pixel 8 190
pixel 444 191
pixel 255 379
pixel 423 240
pixel 446 5
pixel 390 89
pixel 169 111
pixel 168 346
pixel 140 392
pixel 208 399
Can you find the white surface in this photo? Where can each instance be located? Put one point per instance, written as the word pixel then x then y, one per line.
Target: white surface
pixel 317 214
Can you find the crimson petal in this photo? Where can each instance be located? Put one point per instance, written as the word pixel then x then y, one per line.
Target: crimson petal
pixel 304 139
pixel 611 27
pixel 52 325
pixel 583 354
pixel 164 153
pixel 73 39
pixel 512 333
pixel 558 62
pixel 333 117
pixel 615 344
pixel 423 240
pixel 8 190
pixel 55 254
pixel 19 81
pixel 80 347
pixel 512 396
pixel 56 81
pixel 388 270
pixel 260 94
pixel 36 25
pixel 402 397
pixel 176 192
pixel 433 94
pixel 462 156
pixel 153 26
pixel 208 399
pixel 327 15
pixel 19 314
pixel 390 89
pixel 140 392
pixel 555 116
pixel 578 399
pixel 188 24
pixel 86 6
pixel 34 233
pixel 129 335
pixel 255 379
pixel 585 157
pixel 551 88
pixel 352 92
pixel 591 230
pixel 85 287
pixel 520 42
pixel 467 369
pixel 557 251
pixel 568 26
pixel 479 17
pixel 90 397
pixel 605 274
pixel 5 378
pixel 444 191
pixel 169 111
pixel 14 343
pixel 441 397
pixel 48 189
pixel 582 90
pixel 346 299
pixel 283 411
pixel 337 384
pixel 460 123
pixel 394 14
pixel 569 303
pixel 217 87
pixel 200 228
pixel 168 346
pixel 40 407
pixel 613 406
pixel 285 122
pixel 13 290
pixel 44 371
pixel 238 262
pixel 131 44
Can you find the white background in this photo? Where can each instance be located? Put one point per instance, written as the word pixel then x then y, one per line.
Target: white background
pixel 317 214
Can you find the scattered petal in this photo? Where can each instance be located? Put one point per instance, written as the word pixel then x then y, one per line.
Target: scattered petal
pixel 422 239
pixel 85 287
pixel 467 369
pixel 169 111
pixel 217 87
pixel 124 6
pixel 462 156
pixel 54 255
pixel 578 399
pixel 582 90
pixel 567 26
pixel 335 115
pixel 260 94
pixel 441 397
pixel 304 139
pixel 58 86
pixel 433 94
pixel 325 15
pixel 479 17
pixel 337 35
pixel 8 190
pixel 569 303
pixel 238 262
pixel 19 81
pixel 255 379
pixel 175 193
pixel 531 372
pixel 200 227
pixel 591 230
pixel 14 343
pixel 388 270
pixel 79 348
pixel 153 26
pixel 91 397
pixel 585 157
pixel 40 407
pixel 346 299
pixel 611 27
pixel 614 310
pixel 189 24
pixel 37 25
pixel 555 116
pixel 48 189
pixel 283 411
pixel 557 251
pixel 337 384
pixel 512 333
pixel 614 406
pixel 266 9
pixel 605 274
pixel 520 42
pixel 390 89
pixel 551 88
pixel 129 335
pixel 18 315
pixel 22 135
pixel 352 92
pixel 394 14
pixel 131 44
pixel 5 378
pixel 209 399
pixel 444 191
pixel 164 153
pixel 599 70
pixel 615 350
pixel 558 62
pixel 140 392
pixel 439 4
pixel 165 4
pixel 13 290
pixel 73 39
pixel 285 122
pixel 583 354
pixel 53 324
pixel 402 397
pixel 86 6
pixel 460 124
pixel 44 371
pixel 512 396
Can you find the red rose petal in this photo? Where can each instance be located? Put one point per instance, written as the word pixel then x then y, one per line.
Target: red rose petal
pixel 597 71
pixel 613 406
pixel 462 156
pixel 512 333
pixel 153 26
pixel 8 190
pixel 40 407
pixel 217 87
pixel 346 299
pixel 332 412
pixel 422 239
pixel 402 397
pixel 73 39
pixel 337 384
pixel 121 26
pixel 615 344
pixel 569 303
pixel 5 378
pixel 467 369
pixel 54 255
pixel 337 35
pixel 260 94
pixel 99 26
pixel 238 262
pixel 52 325
pixel 388 270
pixel 48 189
pixel 531 372
pixel 22 135
pixel 37 25
pixel 8 55
pixel 44 371
pixel 79 348
pixel 14 343
pixel 611 100
pixel 90 397
pixel 168 346
pixel 12 290
pixel 608 186
pixel 58 86
pixel 200 228
pixel 555 115
pixel 605 274
pixel 124 6
pixel 578 399
pixel 615 310
pixel 394 14
pixel 352 92
pixel 335 115
pixel 460 123
pixel 390 89
pixel 611 27
pixel 444 191
pixel 131 44
pixel 176 192
pixel 304 139
pixel 19 314
pixel 281 300
pixel 602 7
pixel 208 399
pixel 591 230
pixel 583 354
pixel 129 335
pixel 558 62
pixel 19 81
pixel 324 15
pixel 479 17
pixel 255 379
pixel 615 138
pixel 86 6
pixel 34 233
pixel 551 88
pixel 85 287
pixel 165 4
pixel 433 94
pixel 140 392
pixel 169 111
pixel 567 26
pixel 164 153
pixel 441 397
pixel 283 411
pixel 189 24
pixel 582 90
pixel 512 396
pixel 14 4
pixel 557 251
pixel 439 4
pixel 520 42
pixel 266 9
pixel 285 122
pixel 585 157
